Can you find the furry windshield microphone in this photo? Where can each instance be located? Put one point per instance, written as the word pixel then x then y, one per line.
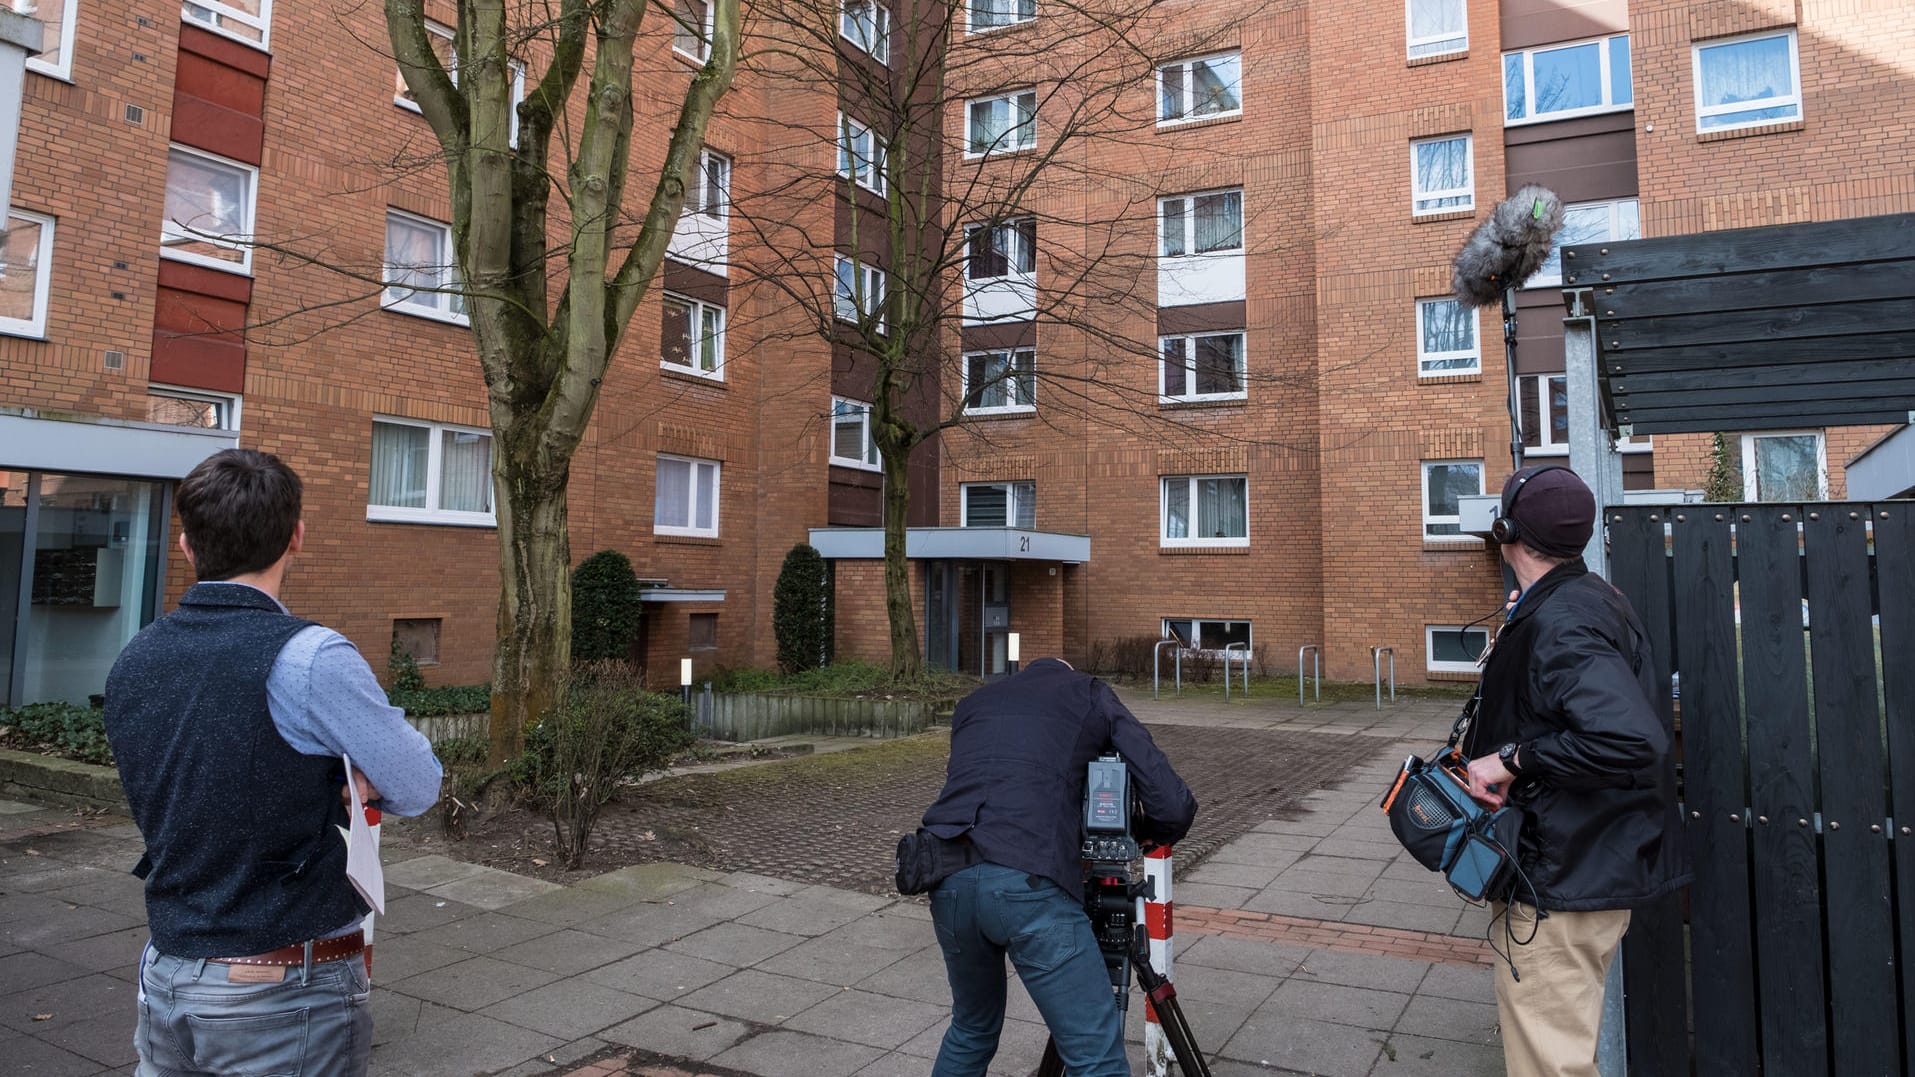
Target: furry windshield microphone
pixel 1508 246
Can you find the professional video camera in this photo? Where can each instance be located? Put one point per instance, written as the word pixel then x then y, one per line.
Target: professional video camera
pixel 1114 891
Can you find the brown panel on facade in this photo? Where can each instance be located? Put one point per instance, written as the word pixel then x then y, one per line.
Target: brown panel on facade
pixel 869 235
pixel 853 373
pixel 218 99
pixel 999 336
pixel 1638 471
pixel 225 50
pixel 1200 318
pixel 199 341
pixel 696 284
pixel 1528 23
pixel 1582 160
pixel 856 498
pixel 1539 331
pixel 199 280
pixel 924 486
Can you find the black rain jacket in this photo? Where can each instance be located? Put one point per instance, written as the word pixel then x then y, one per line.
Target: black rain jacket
pixel 1571 679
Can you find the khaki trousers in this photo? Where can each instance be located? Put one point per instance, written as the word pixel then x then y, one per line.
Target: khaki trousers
pixel 1552 1016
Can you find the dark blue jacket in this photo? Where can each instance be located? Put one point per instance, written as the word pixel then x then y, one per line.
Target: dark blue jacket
pixel 1015 782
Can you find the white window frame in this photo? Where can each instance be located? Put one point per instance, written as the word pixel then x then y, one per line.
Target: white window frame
pixel 36 326
pixel 1163 512
pixel 1014 490
pixel 717 499
pixel 1543 278
pixel 1469 192
pixel 1749 490
pixel 439 309
pixel 228 403
pixel 435 464
pixel 222 13
pixel 1411 43
pixel 1605 51
pixel 1189 218
pixel 704 35
pixel 439 29
pixel 1545 444
pixel 1795 79
pixel 880 49
pixel 1473 354
pixel 1016 20
pixel 1197 633
pixel 1430 662
pixel 1185 67
pixel 702 172
pixel 869 459
pixel 1423 495
pixel 1013 246
pixel 873 283
pixel 1024 407
pixel 1004 145
pixel 250 222
pixel 1191 395
pixel 64 69
pixel 698 307
pixel 866 172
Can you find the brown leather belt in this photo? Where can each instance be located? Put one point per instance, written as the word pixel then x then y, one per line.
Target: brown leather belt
pixel 333 949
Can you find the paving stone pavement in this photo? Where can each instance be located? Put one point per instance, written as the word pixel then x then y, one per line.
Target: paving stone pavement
pixel 1308 944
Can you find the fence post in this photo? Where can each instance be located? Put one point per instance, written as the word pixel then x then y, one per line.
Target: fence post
pixel 1376 670
pixel 1157 665
pixel 1243 651
pixel 1316 655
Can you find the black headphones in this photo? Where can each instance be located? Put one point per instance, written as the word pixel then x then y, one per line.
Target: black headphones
pixel 1504 528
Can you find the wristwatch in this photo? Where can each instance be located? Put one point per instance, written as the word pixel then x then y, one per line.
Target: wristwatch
pixel 1507 753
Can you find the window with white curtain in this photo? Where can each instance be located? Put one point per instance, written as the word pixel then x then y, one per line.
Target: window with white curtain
pixel 1201 366
pixel 867 24
pixel 250 21
pixel 1445 483
pixel 1446 339
pixel 858 292
pixel 430 473
pixel 984 15
pixel 1785 466
pixel 691 28
pixel 1201 88
pixel 1437 27
pixel 1000 124
pixel 998 504
pixel 1209 223
pixel 422 272
pixel 1747 81
pixel 1577 79
pixel 208 214
pixel 1589 222
pixel 26 270
pixel 710 190
pixel 686 497
pixel 56 34
pixel 1442 175
pixel 999 382
pixel 441 37
pixel 860 155
pixel 1205 510
pixel 851 442
pixel 693 338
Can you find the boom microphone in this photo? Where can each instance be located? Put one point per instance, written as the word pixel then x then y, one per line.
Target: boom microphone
pixel 1508 246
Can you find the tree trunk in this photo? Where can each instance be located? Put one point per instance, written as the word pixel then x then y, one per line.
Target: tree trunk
pixel 535 602
pixel 907 659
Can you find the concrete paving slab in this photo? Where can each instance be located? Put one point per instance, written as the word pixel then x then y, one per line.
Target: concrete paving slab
pixel 474 984
pixel 64 923
pixel 1278 834
pixel 27 1055
pixel 1296 903
pixel 425 872
pixel 751 995
pixel 1272 961
pixel 17 907
pixel 1213 896
pixel 1327 859
pixel 1255 876
pixel 1316 1047
pixel 29 969
pixel 1438 1018
pixel 1430 890
pixel 1198 983
pixel 650 882
pixel 1362 1007
pixel 919 976
pixel 468 1043
pixel 418 912
pixel 113 950
pixel 659 974
pixel 570 906
pixel 17 807
pixel 678 1032
pixel 119 893
pixel 1413 1056
pixel 649 923
pixel 569 1009
pixel 1321 883
pixel 870 1019
pixel 1400 915
pixel 892 928
pixel 747 880
pixel 92 1017
pixel 722 902
pixel 405 956
pixel 1466 984
pixel 1362 970
pixel 45 874
pixel 832 959
pixel 806 914
pixel 567 952
pixel 783 1051
pixel 485 932
pixel 735 944
pixel 489 888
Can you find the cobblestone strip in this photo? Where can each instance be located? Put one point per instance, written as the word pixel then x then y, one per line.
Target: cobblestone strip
pixel 1329 935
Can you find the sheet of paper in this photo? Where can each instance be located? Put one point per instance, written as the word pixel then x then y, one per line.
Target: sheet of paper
pixel 363 869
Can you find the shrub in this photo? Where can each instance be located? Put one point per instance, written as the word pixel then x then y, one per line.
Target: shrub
pixel 402 672
pixel 799 614
pixel 607 604
pixel 70 729
pixel 461 751
pixel 449 699
pixel 1724 481
pixel 608 731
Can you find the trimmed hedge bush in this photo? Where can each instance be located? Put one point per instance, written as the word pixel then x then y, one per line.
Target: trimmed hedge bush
pixel 436 702
pixel 72 730
pixel 606 607
pixel 800 614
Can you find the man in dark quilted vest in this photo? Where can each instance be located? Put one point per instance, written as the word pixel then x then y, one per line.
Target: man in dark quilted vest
pixel 229 718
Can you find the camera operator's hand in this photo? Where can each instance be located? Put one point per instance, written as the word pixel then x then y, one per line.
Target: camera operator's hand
pixel 1488 777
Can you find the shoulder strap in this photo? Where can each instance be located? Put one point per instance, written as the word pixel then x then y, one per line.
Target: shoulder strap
pixel 1467 718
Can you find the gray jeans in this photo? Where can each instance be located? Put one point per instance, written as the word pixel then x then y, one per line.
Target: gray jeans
pixel 194 1021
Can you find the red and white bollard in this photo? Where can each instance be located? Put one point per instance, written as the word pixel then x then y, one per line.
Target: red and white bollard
pixel 372 822
pixel 1157 925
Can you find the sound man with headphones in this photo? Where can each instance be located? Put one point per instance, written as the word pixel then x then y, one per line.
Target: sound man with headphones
pixel 1574 738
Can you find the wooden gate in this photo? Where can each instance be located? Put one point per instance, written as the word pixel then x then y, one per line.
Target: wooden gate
pixel 1792 631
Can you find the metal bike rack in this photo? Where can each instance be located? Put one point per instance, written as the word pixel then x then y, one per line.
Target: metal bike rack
pixel 1376 668
pixel 1242 649
pixel 1316 655
pixel 1157 665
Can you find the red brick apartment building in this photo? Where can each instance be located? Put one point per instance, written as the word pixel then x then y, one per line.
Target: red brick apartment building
pixel 1295 182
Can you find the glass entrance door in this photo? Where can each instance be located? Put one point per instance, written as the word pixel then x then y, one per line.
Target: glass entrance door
pixel 997 617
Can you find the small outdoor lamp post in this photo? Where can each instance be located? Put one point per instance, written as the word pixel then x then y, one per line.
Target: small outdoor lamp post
pixel 685 679
pixel 1010 653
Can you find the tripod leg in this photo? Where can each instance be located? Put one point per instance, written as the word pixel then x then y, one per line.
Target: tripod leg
pixel 1170 1014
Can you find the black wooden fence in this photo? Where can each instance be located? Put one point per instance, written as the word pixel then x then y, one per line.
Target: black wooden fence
pixel 1792 629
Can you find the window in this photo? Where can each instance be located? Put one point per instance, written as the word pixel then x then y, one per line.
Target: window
pixel 702 632
pixel 209 210
pixel 991 14
pixel 860 155
pixel 1213 636
pixel 1567 80
pixel 1449 649
pixel 56 23
pixel 1202 223
pixel 1437 27
pixel 851 443
pixel 686 502
pixel 999 504
pixel 1446 339
pixel 1000 382
pixel 244 20
pixel 1747 82
pixel 1199 89
pixel 430 473
pixel 1591 222
pixel 859 292
pixel 710 192
pixel 1001 124
pixel 1206 366
pixel 694 336
pixel 867 24
pixel 1790 466
pixel 1001 250
pixel 441 37
pixel 1442 175
pixel 422 272
pixel 1444 482
pixel 418 638
pixel 691 28
pixel 1543 411
pixel 1205 510
pixel 192 407
pixel 26 266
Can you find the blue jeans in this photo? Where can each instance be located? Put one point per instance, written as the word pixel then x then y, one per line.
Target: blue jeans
pixel 987 911
pixel 194 1021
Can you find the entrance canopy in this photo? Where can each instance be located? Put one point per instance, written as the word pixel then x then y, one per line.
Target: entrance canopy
pixel 954 543
pixel 1797 325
